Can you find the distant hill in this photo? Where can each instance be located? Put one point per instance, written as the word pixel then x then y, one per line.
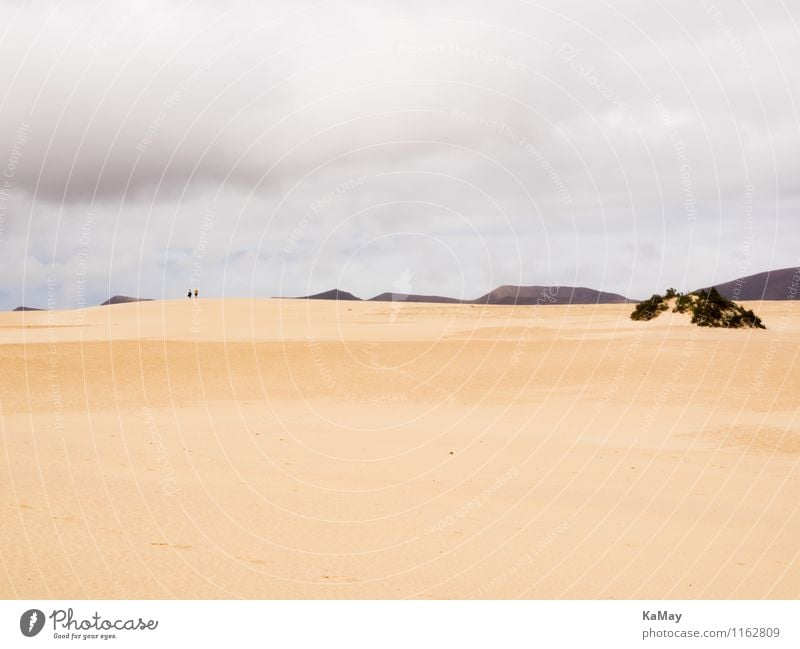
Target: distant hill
pixel 410 297
pixel 549 295
pixel 27 308
pixel 333 294
pixel 771 285
pixel 124 299
pixel 501 295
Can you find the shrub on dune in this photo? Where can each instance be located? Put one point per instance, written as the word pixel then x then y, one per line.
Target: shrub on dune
pixel 708 309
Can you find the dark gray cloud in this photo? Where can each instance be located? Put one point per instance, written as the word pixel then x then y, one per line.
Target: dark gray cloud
pixel 282 148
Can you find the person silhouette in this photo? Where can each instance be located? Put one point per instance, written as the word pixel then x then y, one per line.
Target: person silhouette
pixel 189 294
pixel 195 293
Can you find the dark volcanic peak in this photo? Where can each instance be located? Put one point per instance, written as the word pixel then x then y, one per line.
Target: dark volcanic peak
pixel 410 297
pixel 27 308
pixel 501 295
pixel 124 299
pixel 333 294
pixel 781 284
pixel 549 295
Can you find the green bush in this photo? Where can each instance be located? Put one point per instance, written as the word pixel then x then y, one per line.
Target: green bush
pixel 683 304
pixel 649 309
pixel 708 309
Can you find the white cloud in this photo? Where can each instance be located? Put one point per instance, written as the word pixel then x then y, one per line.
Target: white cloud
pixel 607 144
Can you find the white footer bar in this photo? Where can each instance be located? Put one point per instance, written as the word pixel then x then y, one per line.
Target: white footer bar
pixel 400 624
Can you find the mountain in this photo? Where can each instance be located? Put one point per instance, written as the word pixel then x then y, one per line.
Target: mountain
pixel 410 297
pixel 549 295
pixel 124 299
pixel 333 294
pixel 781 284
pixel 27 308
pixel 501 295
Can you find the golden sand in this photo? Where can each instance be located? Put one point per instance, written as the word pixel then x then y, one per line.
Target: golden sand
pixel 311 449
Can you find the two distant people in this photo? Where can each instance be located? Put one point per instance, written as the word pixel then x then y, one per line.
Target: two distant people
pixel 189 294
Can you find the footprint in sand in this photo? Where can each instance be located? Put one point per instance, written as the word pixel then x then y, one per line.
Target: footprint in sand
pixel 169 545
pixel 340 579
pixel 66 519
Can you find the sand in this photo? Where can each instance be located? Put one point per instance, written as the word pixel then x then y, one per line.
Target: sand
pixel 312 449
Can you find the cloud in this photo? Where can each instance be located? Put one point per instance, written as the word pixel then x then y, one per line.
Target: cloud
pixel 616 145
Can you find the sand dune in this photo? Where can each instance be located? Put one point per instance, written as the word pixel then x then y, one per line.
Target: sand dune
pixel 312 449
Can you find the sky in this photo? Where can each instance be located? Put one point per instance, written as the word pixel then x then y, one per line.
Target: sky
pixel 286 148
